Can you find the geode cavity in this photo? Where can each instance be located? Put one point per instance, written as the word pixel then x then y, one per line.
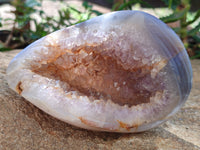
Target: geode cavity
pixel 124 71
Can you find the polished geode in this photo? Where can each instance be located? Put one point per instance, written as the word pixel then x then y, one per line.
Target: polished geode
pixel 124 71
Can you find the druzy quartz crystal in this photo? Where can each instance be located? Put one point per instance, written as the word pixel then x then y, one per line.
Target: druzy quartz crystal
pixel 124 71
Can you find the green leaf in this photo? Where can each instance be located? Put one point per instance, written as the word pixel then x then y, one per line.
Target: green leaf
pixel 2 48
pixel 0 23
pixel 194 31
pixel 194 19
pixel 177 30
pixel 41 12
pixel 197 38
pixel 74 9
pixel 172 3
pixel 127 5
pixel 97 12
pixel 67 14
pixel 86 5
pixel 32 3
pixel 175 16
pixel 197 55
pixel 114 7
pixel 8 19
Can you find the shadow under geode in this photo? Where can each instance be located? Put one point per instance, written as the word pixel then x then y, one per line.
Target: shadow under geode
pixel 63 131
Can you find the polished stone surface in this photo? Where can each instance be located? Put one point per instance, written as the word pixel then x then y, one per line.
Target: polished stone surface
pixel 23 126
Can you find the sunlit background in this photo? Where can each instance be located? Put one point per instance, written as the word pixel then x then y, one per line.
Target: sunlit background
pixel 24 21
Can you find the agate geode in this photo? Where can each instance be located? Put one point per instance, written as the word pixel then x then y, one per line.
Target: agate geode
pixel 124 71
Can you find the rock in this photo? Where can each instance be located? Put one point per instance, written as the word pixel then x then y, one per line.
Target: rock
pixel 124 71
pixel 23 126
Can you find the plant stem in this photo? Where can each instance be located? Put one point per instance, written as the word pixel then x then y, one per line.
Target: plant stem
pixel 185 4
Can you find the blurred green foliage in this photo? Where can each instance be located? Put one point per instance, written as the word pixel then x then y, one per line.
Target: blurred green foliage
pixel 180 9
pixel 0 22
pixel 127 5
pixel 189 36
pixel 22 32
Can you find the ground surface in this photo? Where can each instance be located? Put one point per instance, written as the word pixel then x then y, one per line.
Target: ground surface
pixel 24 127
